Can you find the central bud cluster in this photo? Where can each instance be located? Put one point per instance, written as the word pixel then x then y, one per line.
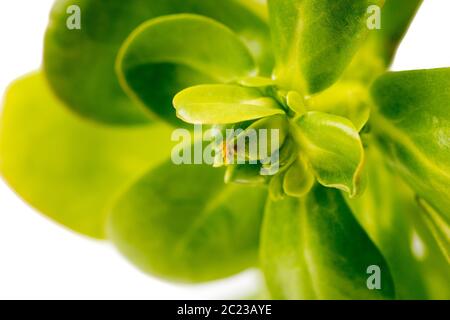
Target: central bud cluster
pixel 266 135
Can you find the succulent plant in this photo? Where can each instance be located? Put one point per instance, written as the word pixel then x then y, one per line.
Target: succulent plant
pixel 364 161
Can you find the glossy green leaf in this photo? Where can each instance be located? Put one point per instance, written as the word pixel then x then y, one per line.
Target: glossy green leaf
pixel 223 104
pixel 333 148
pixel 413 124
pixel 64 167
pixel 191 41
pixel 315 40
pixel 389 213
pixel 184 224
pixel 313 248
pixel 80 63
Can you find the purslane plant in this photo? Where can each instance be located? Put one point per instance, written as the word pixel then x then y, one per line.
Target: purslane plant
pixel 363 176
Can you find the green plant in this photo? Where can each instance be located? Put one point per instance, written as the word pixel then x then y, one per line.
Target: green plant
pixel 364 164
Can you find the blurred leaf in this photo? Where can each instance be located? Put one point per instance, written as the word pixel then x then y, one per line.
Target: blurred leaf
pixel 80 63
pixel 184 224
pixel 412 122
pixel 257 6
pixel 438 227
pixel 195 42
pixel 296 102
pixel 223 104
pixel 390 215
pixel 313 248
pixel 245 174
pixel 333 148
pixel 276 191
pixel 315 40
pixel 66 168
pixel 257 82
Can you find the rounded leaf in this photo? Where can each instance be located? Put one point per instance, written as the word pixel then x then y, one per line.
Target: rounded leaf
pixel 184 224
pixel 313 248
pixel 223 104
pixel 190 42
pixel 333 148
pixel 79 63
pixel 69 169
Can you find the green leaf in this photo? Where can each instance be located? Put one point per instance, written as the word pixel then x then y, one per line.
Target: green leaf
pixel 257 82
pixel 192 40
pixel 298 180
pixel 439 228
pixel 315 40
pixel 296 102
pixel 333 148
pixel 184 224
pixel 313 248
pixel 287 156
pixel 245 174
pixel 412 122
pixel 378 50
pixel 223 104
pixel 257 6
pixel 195 42
pixel 268 124
pixel 396 17
pixel 80 63
pixel 276 191
pixel 69 169
pixel 389 213
pixel 350 100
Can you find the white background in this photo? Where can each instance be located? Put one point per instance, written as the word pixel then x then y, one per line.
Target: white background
pixel 41 260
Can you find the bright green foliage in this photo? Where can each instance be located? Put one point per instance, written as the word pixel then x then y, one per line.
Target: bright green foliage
pixel 313 248
pixel 69 169
pixel 80 63
pixel 396 224
pixel 223 57
pixel 348 99
pixel 333 148
pixel 298 180
pixel 222 104
pixel 359 182
pixel 413 123
pixel 315 40
pixel 198 228
pixel 396 16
